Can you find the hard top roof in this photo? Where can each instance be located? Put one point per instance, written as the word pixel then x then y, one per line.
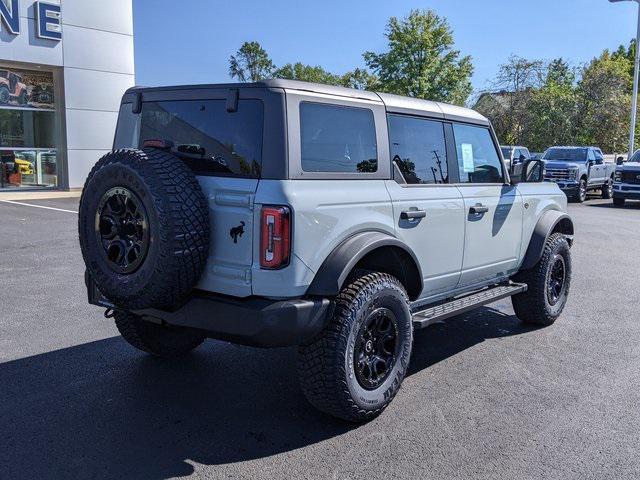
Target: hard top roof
pixel 393 103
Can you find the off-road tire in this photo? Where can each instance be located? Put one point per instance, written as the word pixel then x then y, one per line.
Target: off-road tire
pixel 178 225
pixel 326 366
pixel 533 306
pixel 607 189
pixel 619 202
pixel 159 340
pixel 581 195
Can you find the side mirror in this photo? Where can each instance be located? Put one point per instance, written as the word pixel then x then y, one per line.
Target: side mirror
pixel 530 171
pixel 522 158
pixel 619 160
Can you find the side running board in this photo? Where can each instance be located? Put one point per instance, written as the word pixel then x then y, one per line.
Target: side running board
pixel 430 315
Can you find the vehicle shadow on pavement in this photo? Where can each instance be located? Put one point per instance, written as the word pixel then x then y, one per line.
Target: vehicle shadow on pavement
pixel 443 340
pixel 103 410
pixel 630 205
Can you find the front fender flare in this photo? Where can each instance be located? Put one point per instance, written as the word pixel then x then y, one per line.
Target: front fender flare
pixel 550 221
pixel 336 268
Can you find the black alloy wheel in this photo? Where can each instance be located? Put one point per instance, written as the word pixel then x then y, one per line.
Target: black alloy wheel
pixel 122 228
pixel 557 279
pixel 376 348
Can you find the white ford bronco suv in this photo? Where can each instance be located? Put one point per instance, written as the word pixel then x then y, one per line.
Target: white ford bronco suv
pixel 285 213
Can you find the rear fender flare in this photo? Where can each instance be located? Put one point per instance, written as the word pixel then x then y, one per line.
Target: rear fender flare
pixel 333 273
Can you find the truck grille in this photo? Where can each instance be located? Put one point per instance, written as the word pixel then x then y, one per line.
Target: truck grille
pixel 631 177
pixel 558 174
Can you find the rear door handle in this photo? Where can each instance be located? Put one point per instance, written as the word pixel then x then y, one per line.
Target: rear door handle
pixel 413 214
pixel 478 209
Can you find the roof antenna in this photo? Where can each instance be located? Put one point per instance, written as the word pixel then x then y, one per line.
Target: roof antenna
pixel 232 100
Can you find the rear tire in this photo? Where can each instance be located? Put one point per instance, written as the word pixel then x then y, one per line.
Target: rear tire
pixel 619 202
pixel 548 281
pixel 159 340
pixel 353 369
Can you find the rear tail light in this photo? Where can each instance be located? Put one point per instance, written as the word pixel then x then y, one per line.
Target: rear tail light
pixel 275 238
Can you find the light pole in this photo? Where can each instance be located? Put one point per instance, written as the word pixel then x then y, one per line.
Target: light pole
pixel 636 75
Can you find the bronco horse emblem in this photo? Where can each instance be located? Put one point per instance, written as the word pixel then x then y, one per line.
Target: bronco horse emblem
pixel 236 232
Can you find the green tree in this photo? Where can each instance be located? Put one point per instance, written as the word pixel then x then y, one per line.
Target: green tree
pixel 359 78
pixel 552 108
pixel 604 97
pixel 559 72
pixel 508 108
pixel 307 73
pixel 421 60
pixel 251 63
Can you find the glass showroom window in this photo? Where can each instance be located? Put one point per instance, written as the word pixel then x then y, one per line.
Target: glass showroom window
pixel 28 153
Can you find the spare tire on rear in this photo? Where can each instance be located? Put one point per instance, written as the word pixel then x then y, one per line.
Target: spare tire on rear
pixel 144 228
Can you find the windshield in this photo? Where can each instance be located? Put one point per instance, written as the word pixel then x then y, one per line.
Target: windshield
pixel 635 157
pixel 566 154
pixel 506 152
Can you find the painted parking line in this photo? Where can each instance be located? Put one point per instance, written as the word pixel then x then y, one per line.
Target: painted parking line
pixel 38 206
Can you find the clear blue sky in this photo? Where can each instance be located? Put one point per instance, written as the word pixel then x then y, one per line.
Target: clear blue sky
pixel 190 41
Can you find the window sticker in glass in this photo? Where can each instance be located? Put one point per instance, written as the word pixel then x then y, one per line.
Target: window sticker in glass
pixel 478 159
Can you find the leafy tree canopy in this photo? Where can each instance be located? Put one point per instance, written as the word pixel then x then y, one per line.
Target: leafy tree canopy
pixel 421 60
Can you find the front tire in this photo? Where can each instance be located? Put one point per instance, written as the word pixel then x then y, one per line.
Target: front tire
pixel 581 195
pixel 353 369
pixel 607 189
pixel 548 281
pixel 160 340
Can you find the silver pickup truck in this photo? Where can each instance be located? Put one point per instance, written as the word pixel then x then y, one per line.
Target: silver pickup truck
pixel 285 213
pixel 577 170
pixel 627 181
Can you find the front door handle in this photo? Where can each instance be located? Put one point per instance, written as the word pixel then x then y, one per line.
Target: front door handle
pixel 478 209
pixel 413 214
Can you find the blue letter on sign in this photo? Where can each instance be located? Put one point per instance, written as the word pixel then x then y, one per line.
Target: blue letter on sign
pixel 48 20
pixel 11 16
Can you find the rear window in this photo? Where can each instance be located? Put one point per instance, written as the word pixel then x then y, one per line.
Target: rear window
pixel 337 139
pixel 203 134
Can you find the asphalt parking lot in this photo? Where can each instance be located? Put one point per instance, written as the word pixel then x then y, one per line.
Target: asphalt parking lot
pixel 485 398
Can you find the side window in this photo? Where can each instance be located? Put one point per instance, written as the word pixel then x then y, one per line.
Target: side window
pixel 526 153
pixel 337 139
pixel 478 160
pixel 599 157
pixel 418 147
pixel 591 155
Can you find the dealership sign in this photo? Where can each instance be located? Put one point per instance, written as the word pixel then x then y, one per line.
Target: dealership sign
pixel 48 19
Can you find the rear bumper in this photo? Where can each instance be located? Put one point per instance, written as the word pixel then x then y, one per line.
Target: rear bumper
pixel 252 321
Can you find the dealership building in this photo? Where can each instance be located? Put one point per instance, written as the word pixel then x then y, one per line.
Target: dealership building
pixel 64 66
